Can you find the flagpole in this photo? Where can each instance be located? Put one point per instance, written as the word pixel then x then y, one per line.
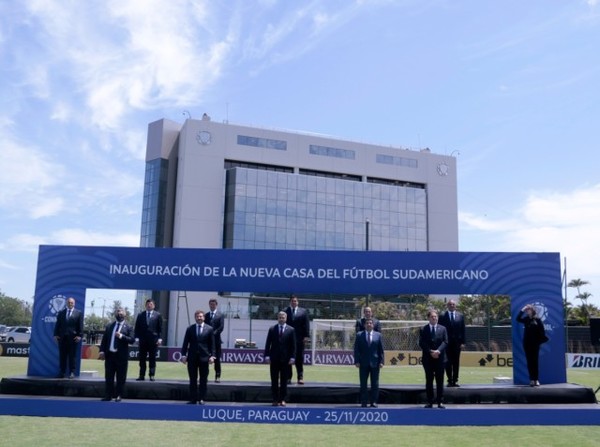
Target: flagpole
pixel 565 310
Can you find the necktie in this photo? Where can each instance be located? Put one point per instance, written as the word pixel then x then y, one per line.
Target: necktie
pixel 148 317
pixel 113 345
pixel 369 338
pixel 452 317
pixel 69 313
pixel 280 331
pixel 293 313
pixel 432 332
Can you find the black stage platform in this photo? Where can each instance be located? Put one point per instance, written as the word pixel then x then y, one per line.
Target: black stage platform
pixel 310 393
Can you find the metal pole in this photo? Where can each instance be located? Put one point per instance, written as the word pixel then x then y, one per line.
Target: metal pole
pixel 565 310
pixel 367 249
pixel 229 324
pixel 250 314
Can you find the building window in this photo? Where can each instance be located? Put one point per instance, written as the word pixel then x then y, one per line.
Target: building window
pixel 396 161
pixel 332 152
pixel 266 143
pixel 154 204
pixel 278 210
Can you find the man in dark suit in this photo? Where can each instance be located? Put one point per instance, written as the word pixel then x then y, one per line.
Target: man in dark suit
pixel 433 340
pixel 216 320
pixel 297 317
pixel 369 359
pixel 148 329
pixel 454 322
pixel 114 350
pixel 68 332
pixel 280 353
pixel 367 315
pixel 198 352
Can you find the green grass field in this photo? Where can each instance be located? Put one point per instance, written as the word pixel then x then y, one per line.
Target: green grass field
pixel 33 431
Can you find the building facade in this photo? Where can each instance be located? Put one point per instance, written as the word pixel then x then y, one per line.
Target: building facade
pixel 220 185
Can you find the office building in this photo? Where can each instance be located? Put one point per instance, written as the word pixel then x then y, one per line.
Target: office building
pixel 212 184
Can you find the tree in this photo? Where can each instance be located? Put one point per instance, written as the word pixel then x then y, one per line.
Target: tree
pixel 14 312
pixel 583 296
pixel 577 284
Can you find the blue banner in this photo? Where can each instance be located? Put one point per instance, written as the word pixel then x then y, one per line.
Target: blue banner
pixel 526 277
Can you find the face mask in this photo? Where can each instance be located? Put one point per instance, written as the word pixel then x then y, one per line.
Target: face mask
pixel 120 318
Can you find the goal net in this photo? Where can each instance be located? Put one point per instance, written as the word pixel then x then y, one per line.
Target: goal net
pixel 334 335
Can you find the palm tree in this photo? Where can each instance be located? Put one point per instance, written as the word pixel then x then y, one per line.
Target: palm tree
pixel 584 297
pixel 577 284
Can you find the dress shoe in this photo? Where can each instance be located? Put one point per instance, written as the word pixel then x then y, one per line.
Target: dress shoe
pixel 72 376
pixel 139 379
pixel 217 380
pixel 200 402
pixel 428 406
pixel 456 385
pixel 441 406
pixel 300 382
pixel 118 399
pixel 532 383
pixel 192 402
pixel 363 405
pixel 151 379
pixel 282 403
pixel 373 405
pixel 105 399
pixel 289 382
pixel 537 383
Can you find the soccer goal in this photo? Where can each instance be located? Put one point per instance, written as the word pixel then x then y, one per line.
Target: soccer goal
pixel 339 335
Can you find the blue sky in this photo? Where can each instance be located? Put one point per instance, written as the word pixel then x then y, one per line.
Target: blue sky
pixel 508 87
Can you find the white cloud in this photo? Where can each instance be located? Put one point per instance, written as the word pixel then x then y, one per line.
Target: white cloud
pixel 61 112
pixel 29 180
pixel 125 56
pixel 283 38
pixel 71 236
pixel 563 222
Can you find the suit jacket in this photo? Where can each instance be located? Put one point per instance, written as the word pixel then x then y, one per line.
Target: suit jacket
pixel 428 343
pixel 360 325
pixel 456 330
pixel 151 330
pixel 300 322
pixel 204 345
pixel 72 327
pixel 534 333
pixel 122 344
pixel 366 354
pixel 281 350
pixel 217 323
